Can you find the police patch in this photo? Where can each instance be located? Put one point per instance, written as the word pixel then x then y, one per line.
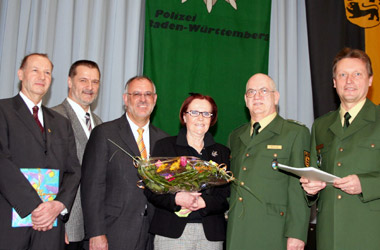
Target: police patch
pixel 306 156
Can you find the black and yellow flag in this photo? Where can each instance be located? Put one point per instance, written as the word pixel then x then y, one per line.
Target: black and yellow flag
pixel 365 14
pixel 333 25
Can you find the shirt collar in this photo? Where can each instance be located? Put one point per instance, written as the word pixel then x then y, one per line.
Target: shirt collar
pixel 29 103
pixel 354 111
pixel 264 122
pixel 133 125
pixel 78 109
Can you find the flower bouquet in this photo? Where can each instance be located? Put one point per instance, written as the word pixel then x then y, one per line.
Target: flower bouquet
pixel 185 173
pixel 173 174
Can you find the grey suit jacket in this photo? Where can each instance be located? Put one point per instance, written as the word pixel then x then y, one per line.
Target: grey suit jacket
pixel 112 203
pixel 75 226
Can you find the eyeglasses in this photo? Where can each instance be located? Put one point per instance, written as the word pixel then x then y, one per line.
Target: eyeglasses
pixel 139 94
pixel 262 92
pixel 196 113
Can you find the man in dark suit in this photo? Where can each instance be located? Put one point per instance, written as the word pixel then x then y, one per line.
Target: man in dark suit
pixel 115 210
pixel 83 83
pixel 41 146
pixel 346 143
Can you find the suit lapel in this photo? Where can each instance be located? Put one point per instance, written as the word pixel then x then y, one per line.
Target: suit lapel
pixel 97 120
pixel 26 117
pixel 268 132
pixel 336 125
pixel 153 136
pixel 48 121
pixel 127 137
pixel 366 115
pixel 245 137
pixel 80 135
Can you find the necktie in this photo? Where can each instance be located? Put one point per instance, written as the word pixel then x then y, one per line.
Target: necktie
pixel 347 117
pixel 35 116
pixel 88 121
pixel 256 127
pixel 140 143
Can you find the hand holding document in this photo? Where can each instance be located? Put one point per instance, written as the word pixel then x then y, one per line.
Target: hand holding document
pixel 310 173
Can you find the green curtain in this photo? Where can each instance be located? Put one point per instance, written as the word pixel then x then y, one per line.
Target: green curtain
pixel 189 49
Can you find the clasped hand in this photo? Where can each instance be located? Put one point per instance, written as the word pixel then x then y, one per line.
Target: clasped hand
pixel 190 200
pixel 44 215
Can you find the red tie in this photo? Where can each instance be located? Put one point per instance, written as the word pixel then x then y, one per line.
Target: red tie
pixel 35 115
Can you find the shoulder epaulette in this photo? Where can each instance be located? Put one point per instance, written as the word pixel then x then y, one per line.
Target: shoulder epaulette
pixel 296 122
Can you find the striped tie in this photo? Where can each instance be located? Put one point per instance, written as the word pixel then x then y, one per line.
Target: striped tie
pixel 140 143
pixel 88 121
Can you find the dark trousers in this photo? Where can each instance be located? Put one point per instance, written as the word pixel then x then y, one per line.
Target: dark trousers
pixel 26 238
pixel 74 246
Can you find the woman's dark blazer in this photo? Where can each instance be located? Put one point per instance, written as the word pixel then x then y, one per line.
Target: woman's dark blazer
pixel 165 222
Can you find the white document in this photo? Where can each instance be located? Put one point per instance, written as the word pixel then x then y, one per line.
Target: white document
pixel 310 173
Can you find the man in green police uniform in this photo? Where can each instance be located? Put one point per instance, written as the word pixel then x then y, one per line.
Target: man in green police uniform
pixel 278 217
pixel 348 146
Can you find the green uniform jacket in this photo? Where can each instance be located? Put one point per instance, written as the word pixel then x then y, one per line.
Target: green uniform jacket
pixel 349 221
pixel 283 211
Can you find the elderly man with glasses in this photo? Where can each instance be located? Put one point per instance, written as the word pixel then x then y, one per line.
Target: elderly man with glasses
pixel 278 217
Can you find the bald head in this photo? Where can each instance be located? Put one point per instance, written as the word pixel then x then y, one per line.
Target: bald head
pixel 260 77
pixel 261 96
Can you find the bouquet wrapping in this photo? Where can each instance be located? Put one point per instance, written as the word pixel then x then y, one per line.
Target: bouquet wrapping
pixel 185 173
pixel 164 175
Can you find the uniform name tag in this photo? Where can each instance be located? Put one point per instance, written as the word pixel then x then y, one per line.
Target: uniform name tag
pixel 274 146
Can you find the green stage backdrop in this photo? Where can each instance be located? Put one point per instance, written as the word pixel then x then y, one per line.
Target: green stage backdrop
pixel 194 46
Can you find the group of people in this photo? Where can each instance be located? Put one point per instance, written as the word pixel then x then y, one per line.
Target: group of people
pixel 97 204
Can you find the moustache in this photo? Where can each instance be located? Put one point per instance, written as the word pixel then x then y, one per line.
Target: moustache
pixel 142 103
pixel 88 92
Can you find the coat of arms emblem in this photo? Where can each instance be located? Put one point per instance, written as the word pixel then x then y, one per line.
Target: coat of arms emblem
pixel 363 13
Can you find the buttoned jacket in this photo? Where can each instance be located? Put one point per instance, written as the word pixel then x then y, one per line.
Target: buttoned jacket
pixel 278 209
pixel 349 221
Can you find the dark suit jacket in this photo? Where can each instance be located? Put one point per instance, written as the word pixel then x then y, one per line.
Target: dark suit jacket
pixel 165 222
pixel 75 226
pixel 112 203
pixel 23 146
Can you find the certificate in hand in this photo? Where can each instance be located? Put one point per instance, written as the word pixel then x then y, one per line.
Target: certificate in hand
pixel 310 173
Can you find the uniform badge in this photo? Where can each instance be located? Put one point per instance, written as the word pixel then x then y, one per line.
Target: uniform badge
pixel 274 147
pixel 214 153
pixel 306 157
pixel 319 155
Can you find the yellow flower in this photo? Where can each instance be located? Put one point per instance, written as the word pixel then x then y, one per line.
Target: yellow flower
pixel 175 166
pixel 162 167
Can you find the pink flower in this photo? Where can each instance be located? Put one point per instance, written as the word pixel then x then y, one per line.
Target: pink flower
pixel 183 161
pixel 158 163
pixel 168 176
